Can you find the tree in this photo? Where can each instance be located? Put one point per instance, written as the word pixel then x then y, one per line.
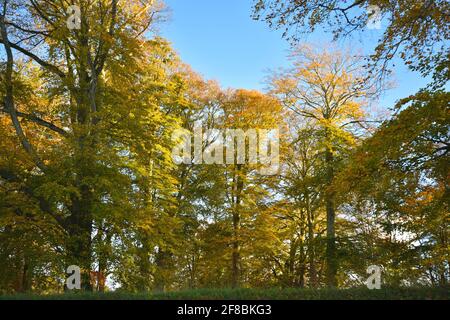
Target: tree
pixel 416 30
pixel 304 218
pixel 82 69
pixel 245 110
pixel 403 171
pixel 330 89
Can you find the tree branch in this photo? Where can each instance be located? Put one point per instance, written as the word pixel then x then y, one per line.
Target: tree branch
pixel 44 205
pixel 9 96
pixel 43 63
pixel 38 121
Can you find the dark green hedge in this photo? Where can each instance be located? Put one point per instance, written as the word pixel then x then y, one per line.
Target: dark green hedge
pixel 259 294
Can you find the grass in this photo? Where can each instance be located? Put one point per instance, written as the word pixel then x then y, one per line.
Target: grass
pixel 256 294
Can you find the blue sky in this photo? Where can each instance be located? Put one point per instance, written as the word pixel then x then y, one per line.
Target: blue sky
pixel 219 39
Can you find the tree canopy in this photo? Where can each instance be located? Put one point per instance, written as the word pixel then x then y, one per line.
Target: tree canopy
pixel 296 186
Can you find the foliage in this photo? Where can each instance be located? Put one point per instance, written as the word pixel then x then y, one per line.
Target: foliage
pixel 416 30
pixel 87 176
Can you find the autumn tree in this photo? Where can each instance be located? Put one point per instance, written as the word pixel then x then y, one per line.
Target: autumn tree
pixel 83 67
pixel 330 88
pixel 246 110
pixel 301 215
pixel 416 31
pixel 402 170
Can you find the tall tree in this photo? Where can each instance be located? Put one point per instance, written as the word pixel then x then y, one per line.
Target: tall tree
pixel 302 186
pixel 403 171
pixel 83 66
pixel 330 89
pixel 245 110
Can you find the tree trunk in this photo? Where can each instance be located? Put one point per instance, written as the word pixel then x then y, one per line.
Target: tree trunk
pixel 331 259
pixel 104 255
pixel 80 223
pixel 79 227
pixel 164 261
pixel 236 256
pixel 311 249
